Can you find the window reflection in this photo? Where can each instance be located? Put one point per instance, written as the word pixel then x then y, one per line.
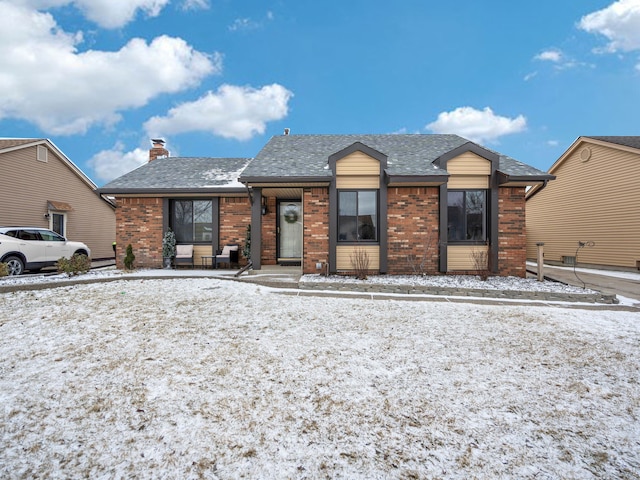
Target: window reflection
pixel 467 215
pixel 358 216
pixel 192 220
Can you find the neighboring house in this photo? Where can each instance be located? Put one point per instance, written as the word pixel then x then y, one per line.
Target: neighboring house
pixel 41 187
pixel 410 203
pixel 595 198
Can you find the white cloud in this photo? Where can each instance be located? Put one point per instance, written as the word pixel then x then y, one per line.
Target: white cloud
pixel 243 24
pixel 110 164
pixel 195 5
pixel 240 24
pixel 550 56
pixel 46 81
pixel 106 13
pixel 553 143
pixel 231 112
pixel 619 22
pixel 477 125
pixel 529 76
pixel 559 60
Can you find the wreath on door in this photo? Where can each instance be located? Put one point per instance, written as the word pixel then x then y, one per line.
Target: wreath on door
pixel 291 213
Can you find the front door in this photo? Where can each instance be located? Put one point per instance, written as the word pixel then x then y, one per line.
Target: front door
pixel 289 232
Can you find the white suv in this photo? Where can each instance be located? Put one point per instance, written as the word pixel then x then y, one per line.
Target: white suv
pixel 32 248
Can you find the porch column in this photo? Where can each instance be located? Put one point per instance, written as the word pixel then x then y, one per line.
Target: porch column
pixel 443 226
pixel 256 229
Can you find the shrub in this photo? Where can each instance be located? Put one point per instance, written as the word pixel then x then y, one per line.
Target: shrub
pixel 482 264
pixel 169 244
pixel 425 262
pixel 129 258
pixel 4 270
pixel 246 250
pixel 75 265
pixel 360 263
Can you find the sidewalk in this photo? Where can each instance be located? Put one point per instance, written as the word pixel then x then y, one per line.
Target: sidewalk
pixel 288 281
pixel 622 284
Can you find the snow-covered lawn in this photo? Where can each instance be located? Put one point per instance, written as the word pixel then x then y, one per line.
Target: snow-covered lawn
pixel 206 378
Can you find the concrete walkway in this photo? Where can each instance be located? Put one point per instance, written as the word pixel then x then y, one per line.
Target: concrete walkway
pixel 604 281
pixel 287 279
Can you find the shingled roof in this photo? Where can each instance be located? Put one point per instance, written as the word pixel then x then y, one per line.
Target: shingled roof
pixel 17 142
pixel 181 174
pixel 294 157
pixel 627 141
pixel 305 156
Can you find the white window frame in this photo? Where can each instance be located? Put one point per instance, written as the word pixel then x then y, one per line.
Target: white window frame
pixel 64 222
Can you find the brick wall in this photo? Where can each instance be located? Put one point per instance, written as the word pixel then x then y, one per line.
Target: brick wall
pixel 412 230
pixel 512 246
pixel 139 223
pixel 268 253
pixel 316 228
pixel 235 215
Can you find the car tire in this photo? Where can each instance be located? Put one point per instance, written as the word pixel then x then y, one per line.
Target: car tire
pixel 16 265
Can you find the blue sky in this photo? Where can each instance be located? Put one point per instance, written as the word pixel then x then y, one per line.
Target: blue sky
pixel 220 77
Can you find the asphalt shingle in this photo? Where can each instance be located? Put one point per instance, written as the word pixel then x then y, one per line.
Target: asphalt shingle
pixel 627 141
pixel 182 173
pixel 307 155
pixel 296 156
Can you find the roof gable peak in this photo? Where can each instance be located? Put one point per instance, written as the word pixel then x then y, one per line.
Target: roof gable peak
pixel 358 147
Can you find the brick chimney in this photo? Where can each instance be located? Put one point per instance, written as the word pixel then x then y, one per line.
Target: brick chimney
pixel 157 150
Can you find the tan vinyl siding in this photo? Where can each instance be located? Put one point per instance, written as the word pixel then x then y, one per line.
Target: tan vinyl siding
pixel 597 200
pixel 469 164
pixel 357 171
pixel 468 171
pixel 26 184
pixel 357 163
pixel 460 257
pixel 468 182
pixel 344 253
pixel 353 182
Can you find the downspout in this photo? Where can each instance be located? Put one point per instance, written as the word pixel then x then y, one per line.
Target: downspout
pixel 246 185
pixel 544 184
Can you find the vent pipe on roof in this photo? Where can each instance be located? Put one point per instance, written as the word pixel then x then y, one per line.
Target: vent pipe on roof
pixel 157 150
pixel 286 131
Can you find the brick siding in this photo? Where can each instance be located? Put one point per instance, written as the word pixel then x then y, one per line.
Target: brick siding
pixel 512 242
pixel 268 253
pixel 235 215
pixel 316 228
pixel 412 230
pixel 139 223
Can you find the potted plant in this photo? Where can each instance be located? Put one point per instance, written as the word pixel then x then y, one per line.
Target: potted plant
pixel 168 247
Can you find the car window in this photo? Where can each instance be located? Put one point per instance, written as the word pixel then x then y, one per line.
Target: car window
pixel 51 236
pixel 29 235
pixel 11 233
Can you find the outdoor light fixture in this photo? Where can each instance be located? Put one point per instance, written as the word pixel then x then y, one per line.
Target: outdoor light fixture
pixel 264 206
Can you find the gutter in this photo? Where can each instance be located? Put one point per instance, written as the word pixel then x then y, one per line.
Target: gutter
pixel 535 192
